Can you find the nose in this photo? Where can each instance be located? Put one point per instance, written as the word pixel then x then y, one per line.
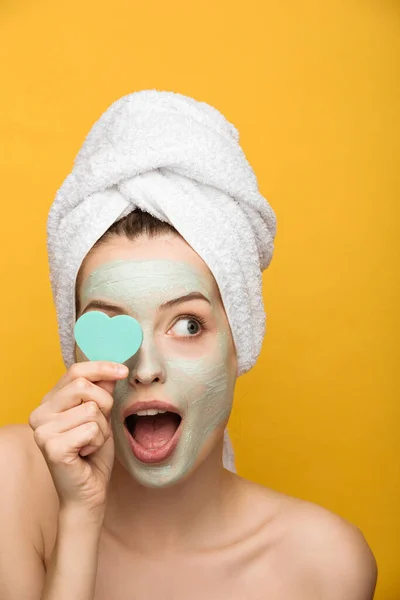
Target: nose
pixel 148 366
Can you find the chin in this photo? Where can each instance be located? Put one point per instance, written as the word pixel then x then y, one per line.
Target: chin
pixel 186 459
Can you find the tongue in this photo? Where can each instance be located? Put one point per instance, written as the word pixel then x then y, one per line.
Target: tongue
pixel 154 432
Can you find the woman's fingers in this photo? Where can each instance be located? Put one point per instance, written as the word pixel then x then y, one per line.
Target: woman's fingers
pixel 96 370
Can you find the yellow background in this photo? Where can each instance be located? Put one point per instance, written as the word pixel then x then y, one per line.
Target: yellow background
pixel 313 88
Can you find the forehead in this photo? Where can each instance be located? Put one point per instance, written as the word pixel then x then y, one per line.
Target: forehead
pixel 146 259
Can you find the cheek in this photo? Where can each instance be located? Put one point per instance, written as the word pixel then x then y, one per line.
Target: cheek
pixel 203 384
pixel 209 399
pixel 210 369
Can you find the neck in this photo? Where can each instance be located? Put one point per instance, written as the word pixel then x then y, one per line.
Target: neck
pixel 190 514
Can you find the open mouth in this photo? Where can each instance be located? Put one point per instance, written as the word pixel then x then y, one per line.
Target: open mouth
pixel 153 434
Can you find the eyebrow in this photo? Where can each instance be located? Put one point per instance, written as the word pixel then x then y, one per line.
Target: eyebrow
pixel 169 304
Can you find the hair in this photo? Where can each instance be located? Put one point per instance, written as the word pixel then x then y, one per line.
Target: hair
pixel 133 226
pixel 137 223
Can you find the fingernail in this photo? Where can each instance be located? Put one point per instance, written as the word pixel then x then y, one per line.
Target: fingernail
pixel 121 369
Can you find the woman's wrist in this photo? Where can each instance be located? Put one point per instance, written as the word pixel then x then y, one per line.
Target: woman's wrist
pixel 80 519
pixel 73 565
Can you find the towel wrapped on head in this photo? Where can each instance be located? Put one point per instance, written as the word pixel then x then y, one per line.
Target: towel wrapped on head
pixel 179 160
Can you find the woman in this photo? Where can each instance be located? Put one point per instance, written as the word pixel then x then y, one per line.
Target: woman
pixel 129 496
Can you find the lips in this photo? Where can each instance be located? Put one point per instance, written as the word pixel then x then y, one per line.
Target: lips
pixel 153 434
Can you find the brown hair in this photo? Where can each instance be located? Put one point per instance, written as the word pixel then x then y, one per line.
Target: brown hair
pixel 134 225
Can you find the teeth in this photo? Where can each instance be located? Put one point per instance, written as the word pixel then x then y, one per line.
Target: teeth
pixel 150 412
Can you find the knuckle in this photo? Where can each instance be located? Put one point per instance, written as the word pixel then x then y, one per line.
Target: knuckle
pixel 82 384
pixel 108 402
pixel 40 437
pixel 93 428
pixel 91 408
pixel 51 449
pixel 32 421
pixel 74 370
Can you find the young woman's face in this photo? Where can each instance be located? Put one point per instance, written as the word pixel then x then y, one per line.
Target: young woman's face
pixel 187 357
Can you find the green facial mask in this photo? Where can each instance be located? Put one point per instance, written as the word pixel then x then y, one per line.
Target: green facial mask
pixel 198 376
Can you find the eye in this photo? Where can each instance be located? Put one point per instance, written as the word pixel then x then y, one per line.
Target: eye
pixel 189 326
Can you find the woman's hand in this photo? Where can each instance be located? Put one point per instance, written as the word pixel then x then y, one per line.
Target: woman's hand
pixel 73 431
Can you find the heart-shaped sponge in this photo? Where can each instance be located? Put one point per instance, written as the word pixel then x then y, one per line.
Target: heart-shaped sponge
pixel 101 337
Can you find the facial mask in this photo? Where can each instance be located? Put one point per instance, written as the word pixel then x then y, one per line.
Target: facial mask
pixel 195 375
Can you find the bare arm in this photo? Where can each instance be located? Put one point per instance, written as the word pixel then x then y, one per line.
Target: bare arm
pixel 21 567
pixel 73 565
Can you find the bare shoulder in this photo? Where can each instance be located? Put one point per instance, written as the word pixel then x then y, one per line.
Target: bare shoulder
pixel 35 489
pixel 328 556
pixel 19 446
pixel 20 434
pixel 316 552
pixel 334 552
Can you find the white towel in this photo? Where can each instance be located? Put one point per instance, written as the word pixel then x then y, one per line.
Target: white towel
pixel 180 160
